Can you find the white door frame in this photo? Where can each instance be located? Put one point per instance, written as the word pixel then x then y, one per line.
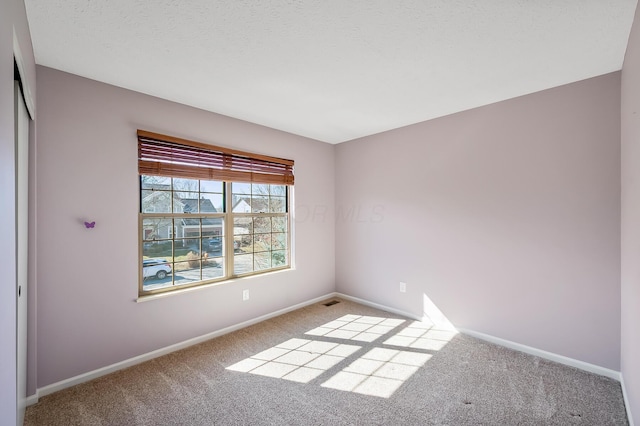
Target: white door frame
pixel 22 246
pixel 24 109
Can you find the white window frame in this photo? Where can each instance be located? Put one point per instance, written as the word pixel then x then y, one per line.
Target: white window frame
pixel 228 241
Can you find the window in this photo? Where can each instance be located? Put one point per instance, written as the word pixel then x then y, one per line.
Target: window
pixel 208 214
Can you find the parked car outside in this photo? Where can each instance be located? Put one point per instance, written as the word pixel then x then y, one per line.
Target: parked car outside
pixel 214 246
pixel 157 268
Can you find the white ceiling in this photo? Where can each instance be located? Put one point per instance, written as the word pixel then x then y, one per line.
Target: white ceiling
pixel 332 70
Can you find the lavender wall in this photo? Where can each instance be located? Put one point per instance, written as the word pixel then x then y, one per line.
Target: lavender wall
pixel 87 279
pixel 506 217
pixel 630 219
pixel 12 15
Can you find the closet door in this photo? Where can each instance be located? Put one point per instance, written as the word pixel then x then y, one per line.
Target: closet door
pixel 22 238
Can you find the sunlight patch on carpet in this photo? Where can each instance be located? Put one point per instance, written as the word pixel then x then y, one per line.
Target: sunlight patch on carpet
pixel 379 372
pixel 421 335
pixel 298 360
pixel 357 328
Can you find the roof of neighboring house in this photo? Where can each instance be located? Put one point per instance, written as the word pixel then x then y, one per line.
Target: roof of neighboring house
pixel 156 187
pixel 257 204
pixel 191 206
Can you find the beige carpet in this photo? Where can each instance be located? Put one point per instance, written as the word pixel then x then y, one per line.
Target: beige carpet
pixel 344 364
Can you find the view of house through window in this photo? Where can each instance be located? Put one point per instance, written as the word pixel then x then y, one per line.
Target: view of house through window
pixel 196 231
pixel 209 213
pixel 260 226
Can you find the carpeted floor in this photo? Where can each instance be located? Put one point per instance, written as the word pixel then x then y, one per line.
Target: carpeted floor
pixel 344 364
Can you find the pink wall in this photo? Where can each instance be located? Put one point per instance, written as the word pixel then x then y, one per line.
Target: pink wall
pixel 631 219
pixel 87 280
pixel 507 217
pixel 12 15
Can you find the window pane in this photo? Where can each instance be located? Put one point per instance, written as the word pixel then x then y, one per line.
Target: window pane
pixel 190 185
pixel 261 242
pixel 156 201
pixel 241 204
pixel 260 189
pixel 279 224
pixel 187 272
pixel 261 224
pixel 211 186
pixel 190 228
pixel 155 284
pixel 279 190
pixel 279 241
pixel 242 243
pixel 156 273
pixel 158 249
pixel 185 202
pixel 278 258
pixel 242 225
pixel 243 263
pixel 260 204
pixel 155 182
pixel 212 227
pixel 241 188
pixel 278 205
pixel 211 203
pixel 213 246
pixel 213 268
pixel 156 229
pixel 262 261
pixel 181 247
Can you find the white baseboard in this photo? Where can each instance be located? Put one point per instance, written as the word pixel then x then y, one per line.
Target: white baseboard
pixel 561 359
pixel 581 365
pixel 626 400
pixel 32 399
pixel 82 378
pixel 85 377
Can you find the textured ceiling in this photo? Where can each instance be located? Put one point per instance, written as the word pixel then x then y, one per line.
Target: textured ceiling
pixel 332 70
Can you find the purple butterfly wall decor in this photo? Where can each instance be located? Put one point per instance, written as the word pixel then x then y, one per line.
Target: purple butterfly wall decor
pixel 89 225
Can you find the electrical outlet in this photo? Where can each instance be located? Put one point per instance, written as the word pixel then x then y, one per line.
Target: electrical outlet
pixel 245 295
pixel 403 287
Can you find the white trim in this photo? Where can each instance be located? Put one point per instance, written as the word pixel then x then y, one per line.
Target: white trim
pixel 626 400
pixel 82 378
pixel 26 90
pixel 85 377
pixel 33 399
pixel 581 365
pixel 381 307
pixel 561 359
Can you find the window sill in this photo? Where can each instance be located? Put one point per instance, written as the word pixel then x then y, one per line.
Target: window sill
pixel 155 296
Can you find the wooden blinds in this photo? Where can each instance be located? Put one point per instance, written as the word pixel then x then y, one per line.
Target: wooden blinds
pixel 169 156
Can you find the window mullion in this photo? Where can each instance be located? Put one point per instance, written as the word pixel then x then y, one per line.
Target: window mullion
pixel 229 239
